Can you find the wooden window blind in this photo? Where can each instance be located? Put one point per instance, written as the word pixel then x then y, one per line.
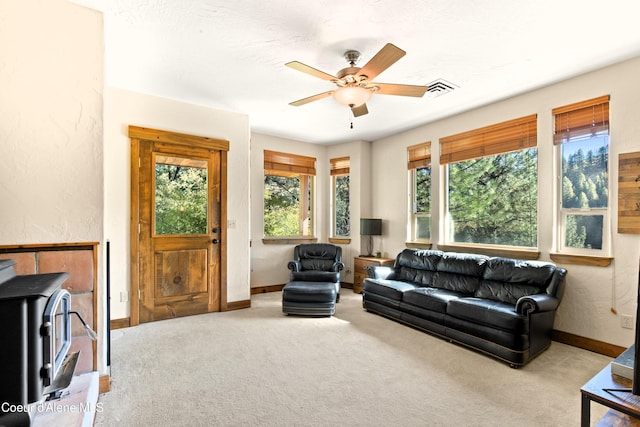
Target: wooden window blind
pixel 581 119
pixel 512 135
pixel 419 156
pixel 276 163
pixel 340 166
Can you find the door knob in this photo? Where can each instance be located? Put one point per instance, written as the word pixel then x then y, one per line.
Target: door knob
pixel 215 241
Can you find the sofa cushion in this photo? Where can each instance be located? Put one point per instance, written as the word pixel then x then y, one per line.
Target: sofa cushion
pixel 460 272
pixel 312 292
pixel 507 279
pixel 504 292
pixel 392 289
pixel 487 312
pixel 534 273
pixel 317 256
pixel 420 259
pixel 430 298
pixel 317 264
pixel 315 276
pixel 417 266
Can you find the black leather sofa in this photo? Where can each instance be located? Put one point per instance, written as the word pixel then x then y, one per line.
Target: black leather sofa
pixel 500 306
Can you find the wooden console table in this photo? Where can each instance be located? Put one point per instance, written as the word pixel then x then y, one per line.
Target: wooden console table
pixel 360 265
pixel 604 388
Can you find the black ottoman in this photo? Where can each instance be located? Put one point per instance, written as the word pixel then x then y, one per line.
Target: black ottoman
pixel 309 298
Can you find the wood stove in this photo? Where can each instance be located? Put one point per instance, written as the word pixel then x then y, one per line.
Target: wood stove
pixel 35 336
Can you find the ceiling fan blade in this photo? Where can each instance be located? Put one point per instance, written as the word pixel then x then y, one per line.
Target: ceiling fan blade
pixel 401 90
pixel 309 99
pixel 310 70
pixel 360 110
pixel 382 60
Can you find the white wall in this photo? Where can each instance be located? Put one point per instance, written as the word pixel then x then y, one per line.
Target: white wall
pixel 51 85
pixel 591 292
pixel 51 78
pixel 124 108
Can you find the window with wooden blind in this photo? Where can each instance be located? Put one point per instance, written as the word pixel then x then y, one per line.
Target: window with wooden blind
pixel 288 194
pixel 340 215
pixel 419 168
pixel 581 134
pixel 492 182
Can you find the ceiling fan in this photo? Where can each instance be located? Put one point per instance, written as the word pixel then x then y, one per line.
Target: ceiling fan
pixel 356 85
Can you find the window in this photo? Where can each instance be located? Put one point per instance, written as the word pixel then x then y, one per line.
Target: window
pixel 288 194
pixel 181 195
pixel 340 219
pixel 419 165
pixel 492 184
pixel 582 137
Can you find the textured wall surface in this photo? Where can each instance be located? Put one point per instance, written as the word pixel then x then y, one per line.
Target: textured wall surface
pixel 51 78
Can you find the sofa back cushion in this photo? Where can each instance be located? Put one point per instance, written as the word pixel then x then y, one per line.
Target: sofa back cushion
pixel 460 272
pixel 507 279
pixel 317 256
pixel 316 264
pixel 417 266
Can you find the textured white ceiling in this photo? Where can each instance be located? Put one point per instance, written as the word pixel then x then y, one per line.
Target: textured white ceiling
pixel 231 54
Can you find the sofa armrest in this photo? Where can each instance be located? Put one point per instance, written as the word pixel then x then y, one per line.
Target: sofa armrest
pixel 294 266
pixel 380 272
pixel 536 303
pixel 337 266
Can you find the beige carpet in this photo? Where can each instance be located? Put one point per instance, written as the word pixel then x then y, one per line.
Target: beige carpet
pixel 257 367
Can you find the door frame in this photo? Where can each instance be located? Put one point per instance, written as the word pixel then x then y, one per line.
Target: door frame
pixel 136 135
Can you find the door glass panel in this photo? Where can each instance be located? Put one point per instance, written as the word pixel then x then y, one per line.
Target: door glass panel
pixel 181 195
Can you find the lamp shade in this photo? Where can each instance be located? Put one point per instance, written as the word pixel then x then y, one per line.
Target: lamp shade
pixel 370 227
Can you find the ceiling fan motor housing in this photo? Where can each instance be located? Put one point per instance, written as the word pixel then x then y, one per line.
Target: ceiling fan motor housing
pixel 348 76
pixel 352 57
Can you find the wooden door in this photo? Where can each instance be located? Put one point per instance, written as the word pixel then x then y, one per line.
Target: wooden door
pixel 178 193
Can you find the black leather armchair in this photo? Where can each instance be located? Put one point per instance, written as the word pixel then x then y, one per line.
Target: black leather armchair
pixel 317 262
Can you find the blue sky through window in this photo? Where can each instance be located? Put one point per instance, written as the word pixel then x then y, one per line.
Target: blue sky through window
pixel 586 144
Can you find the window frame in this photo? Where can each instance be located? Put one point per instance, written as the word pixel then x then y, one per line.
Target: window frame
pixel 339 167
pixel 418 157
pixel 570 250
pixel 334 204
pixel 501 138
pixel 414 215
pixel 576 129
pixel 289 166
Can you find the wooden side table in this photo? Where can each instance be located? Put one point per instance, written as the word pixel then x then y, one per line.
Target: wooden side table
pixel 360 265
pixel 607 389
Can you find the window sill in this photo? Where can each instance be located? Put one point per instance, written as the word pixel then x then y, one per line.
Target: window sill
pixel 499 252
pixel 594 261
pixel 288 240
pixel 418 245
pixel 340 240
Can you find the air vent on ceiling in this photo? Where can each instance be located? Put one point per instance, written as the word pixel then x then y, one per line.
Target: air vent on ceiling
pixel 440 87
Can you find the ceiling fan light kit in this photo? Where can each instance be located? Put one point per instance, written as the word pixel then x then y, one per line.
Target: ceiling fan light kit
pixel 352 96
pixel 355 85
